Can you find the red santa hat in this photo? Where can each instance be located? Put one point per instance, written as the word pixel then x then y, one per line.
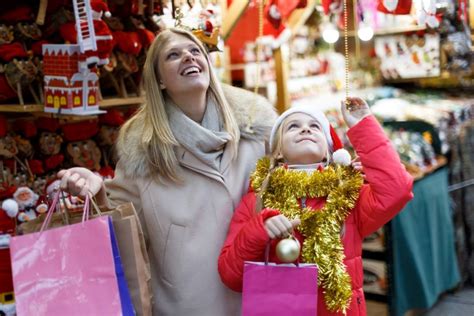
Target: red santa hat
pixel 100 6
pixel 18 14
pixel 80 131
pixel 13 50
pixel 146 37
pixel 52 185
pixel 25 127
pixel 128 42
pixel 36 166
pixel 339 154
pixel 112 118
pixel 48 124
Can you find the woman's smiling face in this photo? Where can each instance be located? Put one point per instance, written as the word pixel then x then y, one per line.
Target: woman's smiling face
pixel 303 140
pixel 183 67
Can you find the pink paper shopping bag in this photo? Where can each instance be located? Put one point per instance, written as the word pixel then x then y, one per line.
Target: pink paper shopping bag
pixel 66 271
pixel 279 289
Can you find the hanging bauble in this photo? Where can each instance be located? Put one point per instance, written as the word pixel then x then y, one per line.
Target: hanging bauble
pixel 288 249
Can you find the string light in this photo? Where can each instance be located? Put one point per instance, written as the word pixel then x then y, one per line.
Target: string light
pixel 346 54
pixel 365 32
pixel 330 33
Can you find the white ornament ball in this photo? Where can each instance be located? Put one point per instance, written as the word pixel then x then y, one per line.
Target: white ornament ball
pixel 288 250
pixel 342 157
pixel 11 207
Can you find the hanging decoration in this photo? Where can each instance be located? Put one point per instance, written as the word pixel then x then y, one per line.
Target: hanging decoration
pixel 399 7
pixel 71 83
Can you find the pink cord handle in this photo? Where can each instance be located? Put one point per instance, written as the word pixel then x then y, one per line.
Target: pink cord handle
pixel 54 204
pixel 51 209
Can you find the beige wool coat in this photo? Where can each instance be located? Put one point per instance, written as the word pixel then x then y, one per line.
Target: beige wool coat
pixel 187 223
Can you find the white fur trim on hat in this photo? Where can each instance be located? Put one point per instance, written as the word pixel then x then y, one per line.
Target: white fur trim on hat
pixel 306 109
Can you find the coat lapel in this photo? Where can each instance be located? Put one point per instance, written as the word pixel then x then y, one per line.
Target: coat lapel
pixel 227 157
pixel 188 160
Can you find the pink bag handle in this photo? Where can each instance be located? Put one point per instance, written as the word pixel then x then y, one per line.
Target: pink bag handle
pixel 54 204
pixel 51 209
pixel 85 213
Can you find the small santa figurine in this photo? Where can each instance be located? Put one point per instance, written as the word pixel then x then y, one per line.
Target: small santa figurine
pixel 103 35
pixel 24 204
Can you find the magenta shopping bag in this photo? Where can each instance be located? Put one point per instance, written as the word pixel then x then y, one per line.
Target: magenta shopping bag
pixel 279 289
pixel 66 271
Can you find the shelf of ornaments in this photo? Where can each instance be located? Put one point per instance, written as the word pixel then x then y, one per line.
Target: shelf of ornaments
pixel 103 104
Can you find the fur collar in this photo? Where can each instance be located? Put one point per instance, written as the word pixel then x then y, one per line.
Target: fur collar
pixel 254 115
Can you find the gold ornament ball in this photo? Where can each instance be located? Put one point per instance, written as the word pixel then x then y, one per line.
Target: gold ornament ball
pixel 288 250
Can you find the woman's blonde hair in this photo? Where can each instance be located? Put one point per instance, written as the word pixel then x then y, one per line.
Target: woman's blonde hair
pixel 157 139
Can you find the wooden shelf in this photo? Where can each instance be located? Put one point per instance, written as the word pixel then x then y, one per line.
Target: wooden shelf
pixel 17 108
pixel 396 30
pixel 106 103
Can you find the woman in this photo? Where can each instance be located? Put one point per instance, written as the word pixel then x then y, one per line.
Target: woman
pixel 184 162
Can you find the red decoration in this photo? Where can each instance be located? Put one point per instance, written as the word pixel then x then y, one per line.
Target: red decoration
pixel 25 127
pixel 112 118
pixel 48 124
pixel 13 50
pixel 128 42
pixel 70 87
pixel 80 131
pixel 36 166
pixel 19 14
pixel 52 162
pixel 398 7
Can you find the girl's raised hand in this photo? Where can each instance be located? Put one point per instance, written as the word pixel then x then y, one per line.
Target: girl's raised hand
pixel 279 226
pixel 355 111
pixel 80 181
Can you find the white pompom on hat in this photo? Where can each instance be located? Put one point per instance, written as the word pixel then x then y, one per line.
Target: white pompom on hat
pixel 339 154
pixel 100 6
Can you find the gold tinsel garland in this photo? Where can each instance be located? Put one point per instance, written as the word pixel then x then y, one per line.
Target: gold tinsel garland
pixel 321 229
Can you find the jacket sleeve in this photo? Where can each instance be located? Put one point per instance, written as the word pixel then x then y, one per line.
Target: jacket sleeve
pixel 389 185
pixel 122 189
pixel 246 241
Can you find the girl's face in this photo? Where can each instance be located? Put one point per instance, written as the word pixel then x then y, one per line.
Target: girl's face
pixel 183 67
pixel 303 140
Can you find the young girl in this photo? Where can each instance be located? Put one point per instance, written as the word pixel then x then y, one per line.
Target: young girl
pixel 304 186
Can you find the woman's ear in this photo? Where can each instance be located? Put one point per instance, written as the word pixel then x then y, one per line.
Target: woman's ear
pixel 162 85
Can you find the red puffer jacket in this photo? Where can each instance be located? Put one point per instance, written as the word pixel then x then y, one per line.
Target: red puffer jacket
pixel 388 189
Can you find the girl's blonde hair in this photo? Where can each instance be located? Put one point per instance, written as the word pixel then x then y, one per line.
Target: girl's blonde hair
pixel 157 139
